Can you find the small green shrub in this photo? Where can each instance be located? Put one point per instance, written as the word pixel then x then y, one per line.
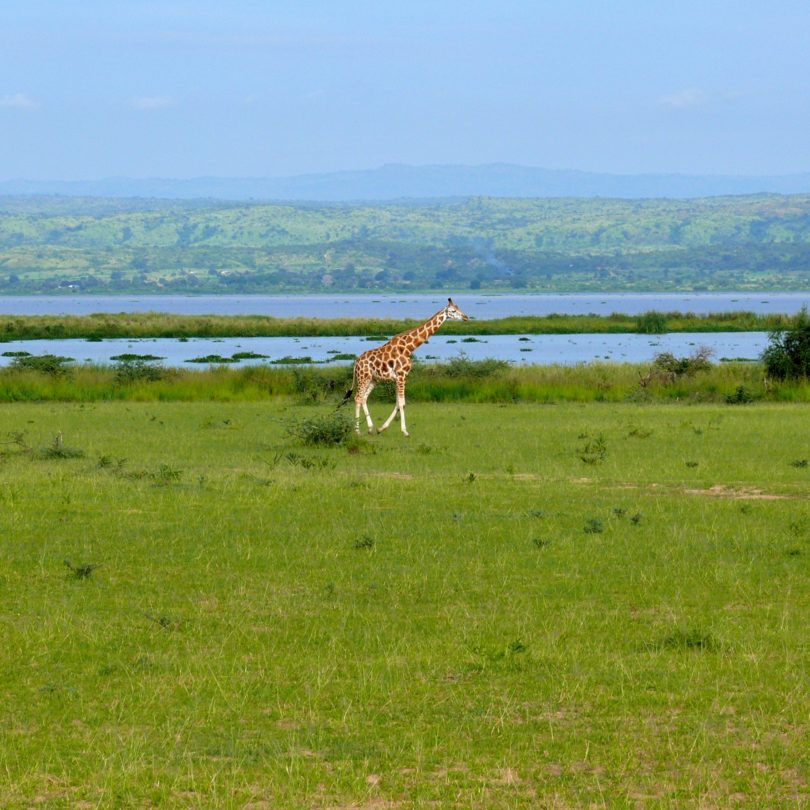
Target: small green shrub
pixel 684 366
pixel 51 364
pixel 138 370
pixel 81 571
pixel 165 475
pixel 328 430
pixel 57 449
pixel 741 396
pixel 594 450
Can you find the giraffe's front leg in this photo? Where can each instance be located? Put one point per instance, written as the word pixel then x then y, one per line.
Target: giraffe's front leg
pixel 390 418
pixel 401 404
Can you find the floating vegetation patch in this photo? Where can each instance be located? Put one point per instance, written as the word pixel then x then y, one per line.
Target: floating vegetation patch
pixel 16 354
pixel 236 357
pixel 342 356
pixel 376 337
pixel 211 359
pixel 248 356
pixel 293 361
pixel 126 357
pixel 472 340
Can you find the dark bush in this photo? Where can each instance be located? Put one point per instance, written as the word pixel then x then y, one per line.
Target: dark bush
pixel 787 356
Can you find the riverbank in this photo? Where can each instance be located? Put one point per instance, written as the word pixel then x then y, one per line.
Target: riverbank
pixel 100 326
pixel 460 380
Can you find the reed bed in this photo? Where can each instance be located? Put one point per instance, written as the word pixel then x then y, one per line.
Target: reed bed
pixel 162 325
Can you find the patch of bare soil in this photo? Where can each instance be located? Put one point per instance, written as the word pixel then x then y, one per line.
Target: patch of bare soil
pixel 741 493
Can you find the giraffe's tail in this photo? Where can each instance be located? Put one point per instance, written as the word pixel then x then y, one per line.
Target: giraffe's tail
pixel 348 395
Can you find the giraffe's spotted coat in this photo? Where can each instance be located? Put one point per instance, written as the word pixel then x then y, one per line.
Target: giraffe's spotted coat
pixel 392 361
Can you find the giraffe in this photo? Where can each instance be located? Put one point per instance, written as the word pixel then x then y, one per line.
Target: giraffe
pixel 392 361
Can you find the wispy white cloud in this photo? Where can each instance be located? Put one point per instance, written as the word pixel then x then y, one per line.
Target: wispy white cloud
pixel 685 99
pixel 145 103
pixel 18 101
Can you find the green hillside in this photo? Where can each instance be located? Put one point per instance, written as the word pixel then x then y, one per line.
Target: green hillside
pixel 96 245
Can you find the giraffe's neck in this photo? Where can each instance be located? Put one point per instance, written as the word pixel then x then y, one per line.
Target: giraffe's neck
pixel 415 337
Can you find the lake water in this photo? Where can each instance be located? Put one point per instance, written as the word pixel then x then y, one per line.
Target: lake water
pixel 521 350
pixel 407 306
pixel 528 349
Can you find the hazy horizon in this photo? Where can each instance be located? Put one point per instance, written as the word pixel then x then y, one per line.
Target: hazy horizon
pixel 400 164
pixel 142 89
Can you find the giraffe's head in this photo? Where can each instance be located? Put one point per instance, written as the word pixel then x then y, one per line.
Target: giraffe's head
pixel 453 313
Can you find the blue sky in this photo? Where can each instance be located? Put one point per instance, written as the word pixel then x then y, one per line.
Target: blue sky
pixel 187 88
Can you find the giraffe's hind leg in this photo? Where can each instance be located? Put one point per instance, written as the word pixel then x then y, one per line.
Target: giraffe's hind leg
pixel 400 406
pixel 361 401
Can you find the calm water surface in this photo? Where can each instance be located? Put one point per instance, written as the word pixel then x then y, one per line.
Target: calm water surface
pixel 566 349
pixel 528 349
pixel 406 306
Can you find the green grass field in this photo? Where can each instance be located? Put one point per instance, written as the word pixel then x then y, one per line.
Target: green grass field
pixel 524 605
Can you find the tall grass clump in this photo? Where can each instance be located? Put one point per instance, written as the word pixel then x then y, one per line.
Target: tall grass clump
pixel 651 323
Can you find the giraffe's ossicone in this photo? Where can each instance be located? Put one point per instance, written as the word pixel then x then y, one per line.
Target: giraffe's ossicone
pixel 392 361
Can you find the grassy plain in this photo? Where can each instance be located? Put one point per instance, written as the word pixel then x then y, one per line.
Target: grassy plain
pixel 523 605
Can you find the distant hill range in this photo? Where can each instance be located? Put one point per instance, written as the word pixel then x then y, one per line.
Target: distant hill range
pixel 398 182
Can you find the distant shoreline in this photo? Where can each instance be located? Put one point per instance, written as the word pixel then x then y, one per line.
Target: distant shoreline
pixel 160 325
